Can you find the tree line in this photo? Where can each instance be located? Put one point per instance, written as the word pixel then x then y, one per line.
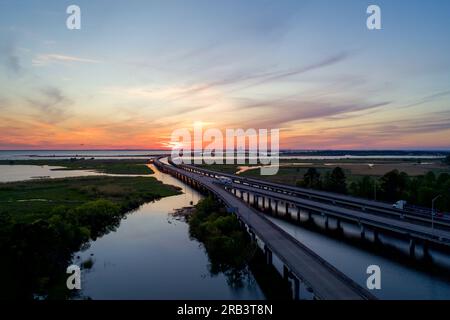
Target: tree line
pixel 393 186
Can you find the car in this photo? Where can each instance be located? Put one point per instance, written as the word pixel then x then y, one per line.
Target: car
pixel 225 181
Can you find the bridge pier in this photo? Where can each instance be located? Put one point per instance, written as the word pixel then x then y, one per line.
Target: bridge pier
pixel 326 222
pixel 287 209
pixel 296 288
pixel 339 227
pixel 426 250
pixel 254 201
pixel 362 231
pixel 268 253
pixel 376 237
pixel 298 213
pixel 412 247
pixel 287 274
pixel 276 207
pixel 310 218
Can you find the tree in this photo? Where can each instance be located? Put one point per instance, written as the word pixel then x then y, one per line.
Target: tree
pixel 338 181
pixel 311 179
pixel 393 185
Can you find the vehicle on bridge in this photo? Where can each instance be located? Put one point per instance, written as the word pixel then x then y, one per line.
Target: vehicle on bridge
pixel 401 205
pixel 225 181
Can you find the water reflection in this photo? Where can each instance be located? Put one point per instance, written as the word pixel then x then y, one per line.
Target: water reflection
pixel 9 173
pixel 398 280
pixel 151 256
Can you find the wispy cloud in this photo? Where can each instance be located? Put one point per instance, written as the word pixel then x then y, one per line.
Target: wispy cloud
pixel 428 98
pixel 51 105
pixel 45 59
pixel 10 58
pixel 301 111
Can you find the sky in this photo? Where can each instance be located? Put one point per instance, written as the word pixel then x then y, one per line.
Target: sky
pixel 138 70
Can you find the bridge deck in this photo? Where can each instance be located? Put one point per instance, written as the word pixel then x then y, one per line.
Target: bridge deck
pixel 326 281
pixel 405 227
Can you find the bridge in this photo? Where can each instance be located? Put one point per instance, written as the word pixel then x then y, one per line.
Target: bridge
pixel 365 214
pixel 300 264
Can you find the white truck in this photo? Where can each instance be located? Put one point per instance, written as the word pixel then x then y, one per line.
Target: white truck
pixel 401 204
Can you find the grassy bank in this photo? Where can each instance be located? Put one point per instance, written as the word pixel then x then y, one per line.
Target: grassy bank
pixel 231 251
pixel 111 166
pixel 43 222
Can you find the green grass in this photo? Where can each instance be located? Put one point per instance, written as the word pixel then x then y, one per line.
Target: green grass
pixel 42 222
pixel 29 200
pixel 111 166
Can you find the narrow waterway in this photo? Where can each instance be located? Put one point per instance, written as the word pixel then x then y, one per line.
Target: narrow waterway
pixel 150 256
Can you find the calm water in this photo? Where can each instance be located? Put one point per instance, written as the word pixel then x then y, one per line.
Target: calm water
pixel 397 280
pixel 131 154
pixel 151 256
pixel 60 154
pixel 26 172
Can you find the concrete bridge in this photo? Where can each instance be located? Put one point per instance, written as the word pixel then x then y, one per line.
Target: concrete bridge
pixel 364 214
pixel 300 264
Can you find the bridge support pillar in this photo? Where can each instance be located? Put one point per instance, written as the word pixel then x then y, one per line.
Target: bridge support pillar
pixel 276 207
pixel 326 222
pixel 426 250
pixel 310 218
pixel 412 247
pixel 298 214
pixel 362 232
pixel 287 209
pixel 376 237
pixel 339 227
pixel 296 288
pixel 286 273
pixel 252 235
pixel 268 254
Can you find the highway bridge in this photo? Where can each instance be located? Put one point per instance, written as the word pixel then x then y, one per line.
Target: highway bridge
pixel 300 264
pixel 365 214
pixel 377 207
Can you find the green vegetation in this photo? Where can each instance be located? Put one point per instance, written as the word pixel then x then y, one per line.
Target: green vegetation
pixel 393 186
pixel 231 251
pixel 113 166
pixel 43 222
pixel 416 181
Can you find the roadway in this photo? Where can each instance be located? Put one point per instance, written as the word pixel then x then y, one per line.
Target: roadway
pixel 326 281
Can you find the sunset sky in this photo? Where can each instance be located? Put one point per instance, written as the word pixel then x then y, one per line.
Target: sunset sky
pixel 137 70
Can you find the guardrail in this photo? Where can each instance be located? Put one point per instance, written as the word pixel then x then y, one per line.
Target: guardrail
pixel 361 292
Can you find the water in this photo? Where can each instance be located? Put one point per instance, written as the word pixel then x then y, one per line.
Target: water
pixel 151 256
pixel 26 172
pixel 66 154
pixel 136 154
pixel 397 280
